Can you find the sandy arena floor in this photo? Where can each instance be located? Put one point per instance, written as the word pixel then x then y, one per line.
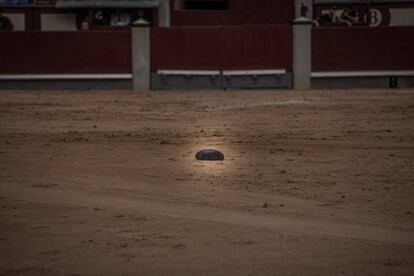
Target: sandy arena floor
pixel 106 183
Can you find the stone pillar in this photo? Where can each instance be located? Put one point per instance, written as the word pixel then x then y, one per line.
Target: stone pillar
pixel 141 72
pixel 164 17
pixel 302 53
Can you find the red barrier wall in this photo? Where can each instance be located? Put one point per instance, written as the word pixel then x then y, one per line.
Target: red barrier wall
pixel 266 47
pixel 186 48
pixel 65 52
pixel 245 12
pixel 240 12
pixel 200 18
pixel 222 48
pixel 362 49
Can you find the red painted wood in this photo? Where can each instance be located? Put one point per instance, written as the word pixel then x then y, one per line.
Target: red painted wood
pixel 65 52
pixel 249 12
pixel 257 47
pixel 200 18
pixel 221 48
pixel 240 12
pixel 362 48
pixel 186 48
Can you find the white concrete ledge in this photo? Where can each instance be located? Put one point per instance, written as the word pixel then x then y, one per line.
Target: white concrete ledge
pixel 254 72
pixel 68 77
pixel 218 72
pixel 189 72
pixel 362 74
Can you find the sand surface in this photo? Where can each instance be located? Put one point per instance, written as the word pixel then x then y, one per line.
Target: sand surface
pixel 106 183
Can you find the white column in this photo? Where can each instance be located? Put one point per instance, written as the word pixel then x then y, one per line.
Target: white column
pixel 141 72
pixel 164 17
pixel 302 53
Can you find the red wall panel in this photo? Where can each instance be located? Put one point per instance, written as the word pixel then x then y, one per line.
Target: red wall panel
pixel 257 47
pixel 65 52
pixel 200 18
pixel 196 48
pixel 240 12
pixel 362 49
pixel 249 12
pixel 221 48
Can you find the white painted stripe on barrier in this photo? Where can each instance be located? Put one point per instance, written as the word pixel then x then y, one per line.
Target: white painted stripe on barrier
pixel 68 77
pixel 254 72
pixel 189 72
pixel 362 74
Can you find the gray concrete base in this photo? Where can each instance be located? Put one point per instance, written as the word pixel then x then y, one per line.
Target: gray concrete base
pixel 207 82
pixel 258 81
pixel 169 82
pixel 65 85
pixel 405 82
pixel 362 82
